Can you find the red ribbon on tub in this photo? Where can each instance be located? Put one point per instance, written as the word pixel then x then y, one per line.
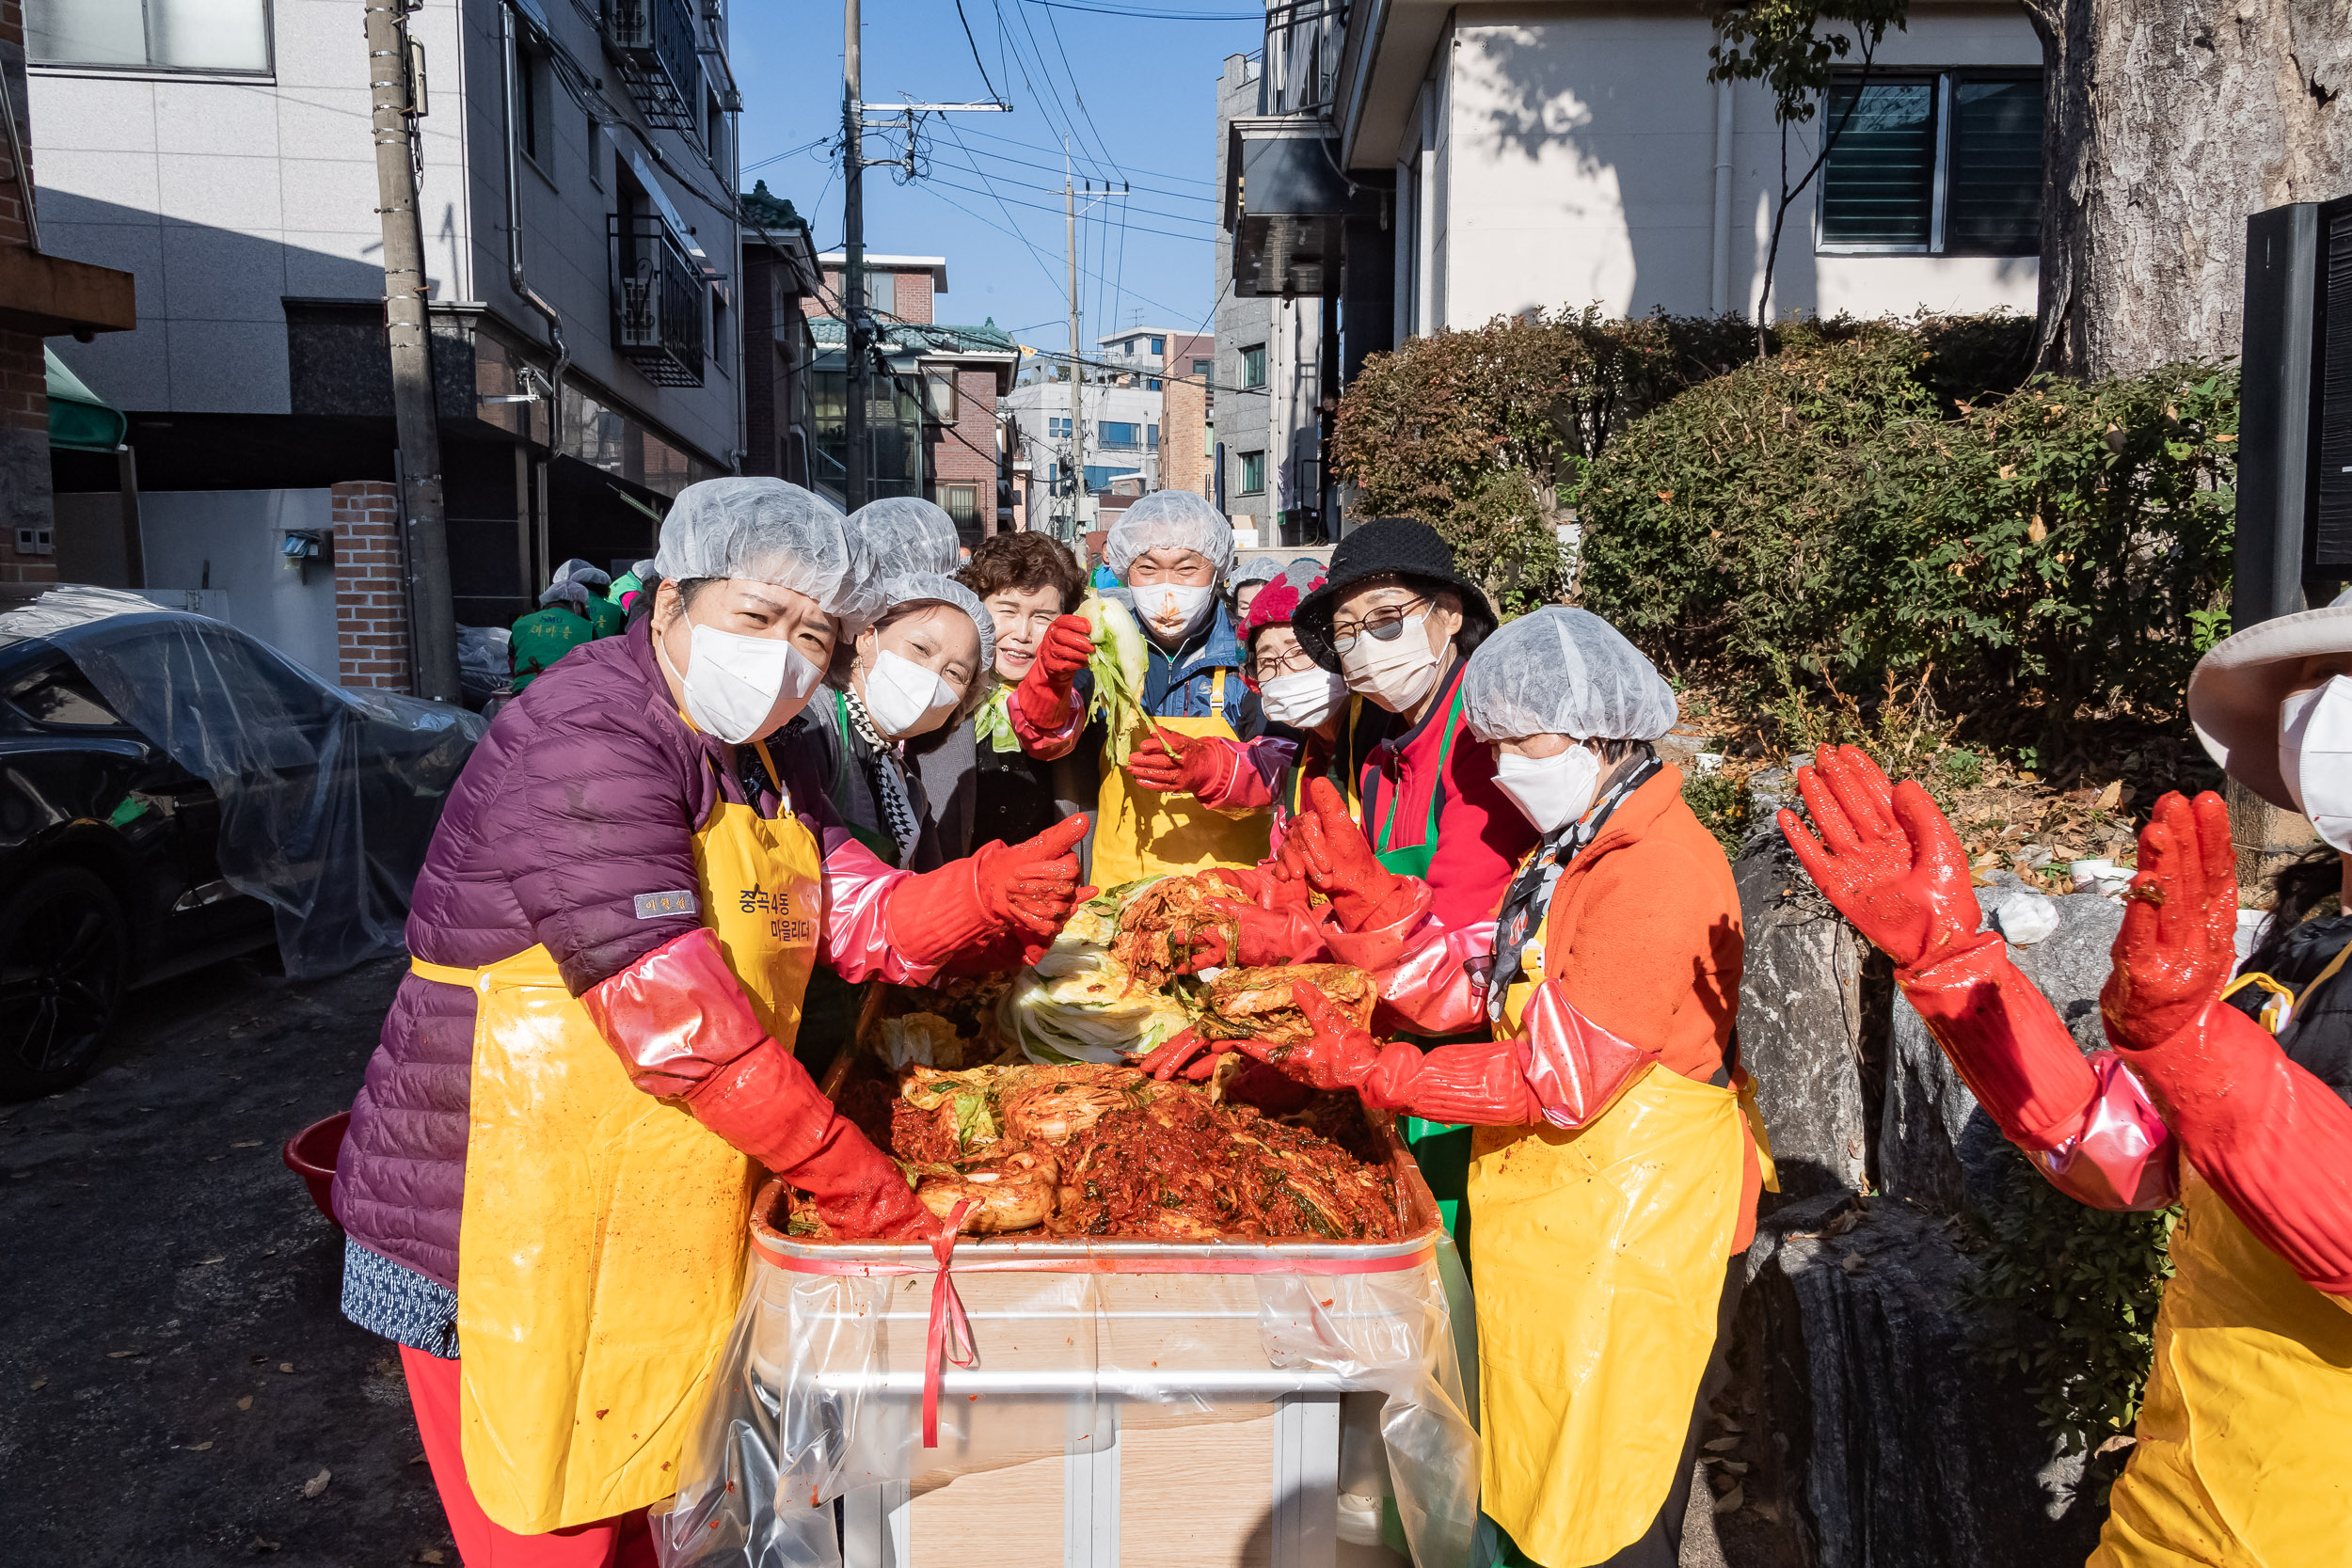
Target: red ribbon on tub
pixel 950 1331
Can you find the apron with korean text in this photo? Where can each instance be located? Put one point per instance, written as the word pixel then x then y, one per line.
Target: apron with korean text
pixel 600 1254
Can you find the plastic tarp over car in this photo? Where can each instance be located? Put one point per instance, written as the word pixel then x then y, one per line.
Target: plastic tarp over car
pixel 328 795
pixel 820 1392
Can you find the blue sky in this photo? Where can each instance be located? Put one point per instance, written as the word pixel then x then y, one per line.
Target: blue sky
pixel 1137 95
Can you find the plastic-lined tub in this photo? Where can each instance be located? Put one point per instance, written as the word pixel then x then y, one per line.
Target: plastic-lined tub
pixel 1141 1402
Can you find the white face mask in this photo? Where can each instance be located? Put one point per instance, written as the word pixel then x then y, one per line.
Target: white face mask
pixel 1170 611
pixel 1551 792
pixel 734 683
pixel 1395 674
pixel 1302 699
pixel 2315 757
pixel 903 698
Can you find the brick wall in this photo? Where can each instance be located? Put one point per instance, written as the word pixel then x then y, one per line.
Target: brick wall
pixel 1186 461
pixel 965 452
pixel 915 297
pixel 23 377
pixel 371 607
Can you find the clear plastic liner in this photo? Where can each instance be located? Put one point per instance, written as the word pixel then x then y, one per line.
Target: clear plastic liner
pixel 328 795
pixel 820 1393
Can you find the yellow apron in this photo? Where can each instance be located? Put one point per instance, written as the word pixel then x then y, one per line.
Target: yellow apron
pixel 2240 1460
pixel 1140 832
pixel 1599 1256
pixel 601 1253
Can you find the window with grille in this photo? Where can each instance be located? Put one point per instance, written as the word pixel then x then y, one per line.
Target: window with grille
pixel 1253 473
pixel 1941 163
pixel 963 503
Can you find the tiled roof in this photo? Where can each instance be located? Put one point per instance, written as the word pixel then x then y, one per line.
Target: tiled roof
pixel 911 337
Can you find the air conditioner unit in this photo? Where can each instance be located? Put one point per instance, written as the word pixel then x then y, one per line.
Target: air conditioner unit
pixel 2295 421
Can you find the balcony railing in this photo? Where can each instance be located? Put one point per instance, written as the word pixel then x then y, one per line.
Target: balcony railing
pixel 652 42
pixel 1302 55
pixel 656 302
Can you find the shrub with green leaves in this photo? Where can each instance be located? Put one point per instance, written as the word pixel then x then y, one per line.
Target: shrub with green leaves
pixel 1844 510
pixel 2067 1295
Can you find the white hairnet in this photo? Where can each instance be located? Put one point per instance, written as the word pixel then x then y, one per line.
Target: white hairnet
pixel 1565 671
pixel 902 533
pixel 1169 520
pixel 1257 568
pixel 595 579
pixel 912 591
pixel 565 590
pixel 769 531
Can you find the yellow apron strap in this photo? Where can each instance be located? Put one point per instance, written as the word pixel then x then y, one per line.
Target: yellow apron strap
pixel 2281 1006
pixel 442 973
pixel 1753 1116
pixel 1217 696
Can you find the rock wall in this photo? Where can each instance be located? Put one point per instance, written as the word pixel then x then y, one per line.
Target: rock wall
pixel 1868 1436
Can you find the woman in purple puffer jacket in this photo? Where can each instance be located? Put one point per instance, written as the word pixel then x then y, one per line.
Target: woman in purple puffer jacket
pixel 550 1163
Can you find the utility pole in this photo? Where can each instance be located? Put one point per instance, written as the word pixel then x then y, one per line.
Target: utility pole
pixel 432 627
pixel 1077 349
pixel 1076 472
pixel 858 465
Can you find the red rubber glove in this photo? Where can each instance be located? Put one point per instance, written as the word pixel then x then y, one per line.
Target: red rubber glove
pixel 1202 765
pixel 1028 890
pixel 2178 944
pixel 1289 934
pixel 1891 864
pixel 1044 691
pixel 1269 884
pixel 1183 1052
pixel 1325 848
pixel 685 1030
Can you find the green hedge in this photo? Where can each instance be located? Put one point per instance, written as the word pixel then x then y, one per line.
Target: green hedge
pixel 1844 508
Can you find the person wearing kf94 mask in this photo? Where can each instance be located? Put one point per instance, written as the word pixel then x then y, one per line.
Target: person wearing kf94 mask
pixel 550 1164
pixel 1172 548
pixel 1614 1179
pixel 2239 1452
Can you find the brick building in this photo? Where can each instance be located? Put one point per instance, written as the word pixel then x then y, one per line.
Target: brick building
pixel 41 295
pixel 934 422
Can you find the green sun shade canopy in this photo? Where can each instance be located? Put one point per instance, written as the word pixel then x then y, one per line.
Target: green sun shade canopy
pixel 79 418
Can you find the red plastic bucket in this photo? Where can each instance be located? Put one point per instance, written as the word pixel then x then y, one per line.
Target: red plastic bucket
pixel 310 1154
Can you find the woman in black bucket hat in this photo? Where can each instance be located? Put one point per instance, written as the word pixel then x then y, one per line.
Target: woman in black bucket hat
pixel 1421 822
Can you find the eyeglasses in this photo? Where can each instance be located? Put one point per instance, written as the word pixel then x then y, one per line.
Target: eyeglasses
pixel 1385 624
pixel 1297 661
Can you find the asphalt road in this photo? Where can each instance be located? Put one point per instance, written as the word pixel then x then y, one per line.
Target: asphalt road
pixel 181 1388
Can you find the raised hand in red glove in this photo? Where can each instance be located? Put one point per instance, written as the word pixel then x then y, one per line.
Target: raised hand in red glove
pixel 2178 944
pixel 1026 890
pixel 1044 691
pixel 1887 857
pixel 1269 884
pixel 1202 765
pixel 1324 848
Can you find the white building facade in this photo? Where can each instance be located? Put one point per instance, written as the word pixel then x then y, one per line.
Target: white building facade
pixel 576 172
pixel 1120 439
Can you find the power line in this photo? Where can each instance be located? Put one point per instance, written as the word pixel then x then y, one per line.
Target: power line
pixel 1164 233
pixel 1055 168
pixel 994 97
pixel 1055 190
pixel 1149 15
pixel 1154 173
pixel 933 187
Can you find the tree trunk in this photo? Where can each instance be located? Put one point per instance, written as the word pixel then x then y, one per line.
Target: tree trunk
pixel 2168 123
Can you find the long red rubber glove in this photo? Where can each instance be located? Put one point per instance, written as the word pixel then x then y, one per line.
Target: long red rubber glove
pixel 2273 1140
pixel 1202 765
pixel 1482 1083
pixel 1283 934
pixel 1026 890
pixel 1325 848
pixel 1892 865
pixel 685 1030
pixel 1044 691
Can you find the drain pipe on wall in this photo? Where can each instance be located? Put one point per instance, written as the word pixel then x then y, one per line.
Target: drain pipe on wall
pixel 515 234
pixel 1719 291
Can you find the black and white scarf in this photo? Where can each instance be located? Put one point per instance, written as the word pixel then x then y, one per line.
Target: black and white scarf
pixel 889 785
pixel 1529 899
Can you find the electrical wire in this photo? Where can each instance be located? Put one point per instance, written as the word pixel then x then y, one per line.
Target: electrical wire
pixel 1149 15
pixel 1156 174
pixel 993 96
pixel 1164 233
